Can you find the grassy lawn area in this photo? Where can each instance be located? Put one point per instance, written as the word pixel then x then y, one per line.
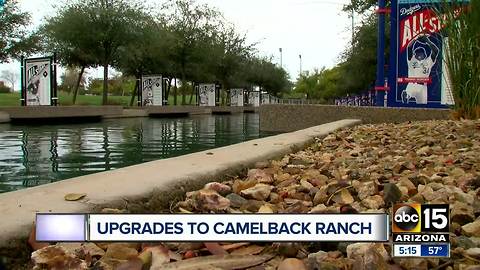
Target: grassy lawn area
pixel 65 99
pixel 12 99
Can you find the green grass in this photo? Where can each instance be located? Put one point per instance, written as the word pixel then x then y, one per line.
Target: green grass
pixel 12 99
pixel 65 99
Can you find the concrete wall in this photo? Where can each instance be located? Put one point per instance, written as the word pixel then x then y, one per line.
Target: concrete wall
pixel 159 110
pixel 4 117
pixel 38 112
pixel 284 118
pixel 129 113
pixel 168 177
pixel 96 113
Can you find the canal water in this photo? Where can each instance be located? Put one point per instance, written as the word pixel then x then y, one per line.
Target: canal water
pixel 36 155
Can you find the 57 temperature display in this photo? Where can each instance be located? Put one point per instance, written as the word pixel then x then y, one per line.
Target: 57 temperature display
pixel 435 250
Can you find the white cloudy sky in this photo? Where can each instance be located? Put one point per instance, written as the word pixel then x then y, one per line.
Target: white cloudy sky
pixel 316 29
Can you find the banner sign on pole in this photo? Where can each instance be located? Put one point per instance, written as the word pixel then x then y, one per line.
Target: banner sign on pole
pixel 38 81
pixel 254 97
pixel 207 94
pixel 418 76
pixel 152 90
pixel 236 97
pixel 265 98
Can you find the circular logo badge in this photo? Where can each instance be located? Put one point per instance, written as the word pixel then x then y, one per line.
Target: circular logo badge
pixel 406 218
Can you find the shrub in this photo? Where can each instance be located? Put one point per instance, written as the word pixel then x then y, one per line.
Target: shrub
pixel 114 102
pixel 4 89
pixel 463 56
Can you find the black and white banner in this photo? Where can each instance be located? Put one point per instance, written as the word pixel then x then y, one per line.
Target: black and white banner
pixel 236 97
pixel 38 81
pixel 254 98
pixel 206 94
pixel 265 98
pixel 152 90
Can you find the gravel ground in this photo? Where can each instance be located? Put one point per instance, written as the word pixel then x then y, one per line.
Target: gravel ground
pixel 363 169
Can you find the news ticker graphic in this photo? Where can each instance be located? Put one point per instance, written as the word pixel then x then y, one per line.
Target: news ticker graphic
pixel 423 250
pixel 420 218
pixel 421 230
pixel 213 227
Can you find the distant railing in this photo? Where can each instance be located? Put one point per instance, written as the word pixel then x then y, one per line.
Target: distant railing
pixel 298 101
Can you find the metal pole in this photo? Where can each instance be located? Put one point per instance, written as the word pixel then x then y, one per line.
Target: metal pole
pixel 138 87
pixel 281 57
pixel 300 57
pixel 353 26
pixel 380 82
pixel 23 94
pixel 54 78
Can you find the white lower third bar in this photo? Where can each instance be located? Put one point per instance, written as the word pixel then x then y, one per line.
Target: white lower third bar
pixel 239 227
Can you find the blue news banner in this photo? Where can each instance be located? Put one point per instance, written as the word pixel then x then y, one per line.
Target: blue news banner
pixel 421 250
pixel 213 227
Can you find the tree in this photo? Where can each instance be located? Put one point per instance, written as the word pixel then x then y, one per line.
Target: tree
pixel 356 71
pixel 228 52
pixel 63 34
pixel 70 82
pixel 15 40
pixel 308 83
pixel 361 6
pixel 148 55
pixel 271 78
pixel 360 61
pixel 102 27
pixel 10 77
pixel 192 26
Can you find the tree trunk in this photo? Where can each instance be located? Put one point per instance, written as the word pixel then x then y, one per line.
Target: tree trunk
pixel 223 92
pixel 78 85
pixel 167 92
pixel 183 84
pixel 183 90
pixel 183 96
pixel 134 93
pixel 175 93
pixel 193 93
pixel 105 84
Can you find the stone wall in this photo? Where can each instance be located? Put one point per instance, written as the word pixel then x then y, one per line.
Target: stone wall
pixel 285 118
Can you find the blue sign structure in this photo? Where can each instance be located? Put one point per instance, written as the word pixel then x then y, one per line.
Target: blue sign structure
pixel 2 3
pixel 417 73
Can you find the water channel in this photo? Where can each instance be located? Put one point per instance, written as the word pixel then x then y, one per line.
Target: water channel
pixel 36 155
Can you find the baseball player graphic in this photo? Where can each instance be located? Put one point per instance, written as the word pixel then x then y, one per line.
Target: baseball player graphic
pixel 33 92
pixel 147 92
pixel 422 55
pixel 203 95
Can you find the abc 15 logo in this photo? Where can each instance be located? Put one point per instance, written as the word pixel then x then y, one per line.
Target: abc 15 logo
pixel 416 218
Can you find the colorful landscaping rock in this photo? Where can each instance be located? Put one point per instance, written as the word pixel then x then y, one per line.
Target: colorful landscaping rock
pixel 258 192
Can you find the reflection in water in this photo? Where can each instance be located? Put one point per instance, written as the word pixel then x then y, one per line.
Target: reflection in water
pixel 36 155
